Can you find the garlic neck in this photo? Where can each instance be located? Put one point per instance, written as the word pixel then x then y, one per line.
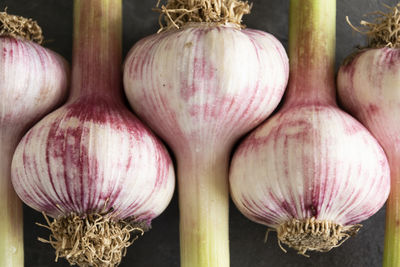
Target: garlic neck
pixel 312 52
pixel 97 49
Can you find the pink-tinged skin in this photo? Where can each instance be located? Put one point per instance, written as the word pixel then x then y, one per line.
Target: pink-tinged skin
pixel 311 159
pixel 368 87
pixel 92 155
pixel 196 89
pixel 201 88
pixel 33 80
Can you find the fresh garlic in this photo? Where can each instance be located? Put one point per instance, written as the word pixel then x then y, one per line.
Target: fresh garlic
pixel 33 80
pixel 368 86
pixel 201 87
pixel 311 172
pixel 91 164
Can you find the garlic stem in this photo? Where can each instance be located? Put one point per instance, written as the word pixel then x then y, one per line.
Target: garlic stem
pixel 391 256
pixel 11 223
pixel 312 52
pixel 204 209
pixel 97 49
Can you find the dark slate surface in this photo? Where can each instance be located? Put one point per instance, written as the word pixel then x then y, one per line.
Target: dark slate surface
pixel 160 246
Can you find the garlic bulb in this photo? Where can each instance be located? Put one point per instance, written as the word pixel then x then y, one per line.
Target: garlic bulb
pixel 367 87
pixel 209 84
pixel 91 164
pixel 33 80
pixel 310 163
pixel 311 172
pixel 92 155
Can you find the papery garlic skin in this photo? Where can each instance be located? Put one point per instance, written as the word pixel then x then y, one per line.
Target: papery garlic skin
pixel 90 156
pixel 368 87
pixel 201 88
pixel 33 80
pixel 231 81
pixel 311 161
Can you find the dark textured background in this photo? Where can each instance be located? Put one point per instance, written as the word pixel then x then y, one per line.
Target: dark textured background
pixel 160 246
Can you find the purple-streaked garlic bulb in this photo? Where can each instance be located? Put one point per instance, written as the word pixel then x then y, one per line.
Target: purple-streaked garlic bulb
pixel 369 87
pixel 33 80
pixel 201 87
pixel 91 164
pixel 311 172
